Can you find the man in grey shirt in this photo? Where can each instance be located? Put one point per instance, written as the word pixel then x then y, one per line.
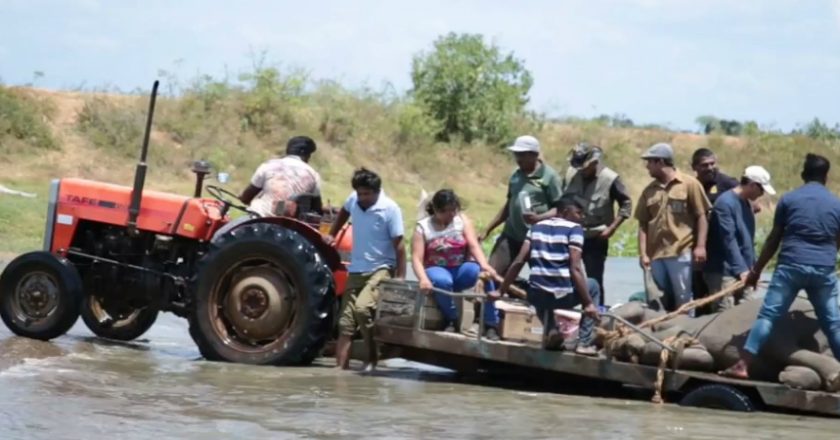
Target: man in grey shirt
pixel 598 189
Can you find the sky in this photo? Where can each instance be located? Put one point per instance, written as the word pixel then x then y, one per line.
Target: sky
pixel 776 62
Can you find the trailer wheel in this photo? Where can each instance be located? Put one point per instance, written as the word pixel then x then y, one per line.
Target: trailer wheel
pixel 40 295
pixel 263 295
pixel 122 325
pixel 718 396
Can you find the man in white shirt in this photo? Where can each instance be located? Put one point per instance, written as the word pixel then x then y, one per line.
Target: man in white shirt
pixel 285 179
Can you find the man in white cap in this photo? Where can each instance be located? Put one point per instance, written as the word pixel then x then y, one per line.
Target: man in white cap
pixel 672 226
pixel 806 231
pixel 731 244
pixel 533 191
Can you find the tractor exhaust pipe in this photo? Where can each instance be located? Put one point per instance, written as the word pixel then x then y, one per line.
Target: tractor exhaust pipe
pixel 140 172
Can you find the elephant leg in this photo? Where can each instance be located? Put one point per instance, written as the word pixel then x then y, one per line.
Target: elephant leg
pixel 827 367
pixel 802 378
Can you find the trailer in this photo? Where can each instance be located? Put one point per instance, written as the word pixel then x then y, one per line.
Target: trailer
pixel 407 323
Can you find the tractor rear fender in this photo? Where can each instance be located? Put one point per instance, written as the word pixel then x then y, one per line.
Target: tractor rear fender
pixel 329 253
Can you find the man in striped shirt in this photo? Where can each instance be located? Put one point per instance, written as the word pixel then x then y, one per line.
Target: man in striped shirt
pixel 553 249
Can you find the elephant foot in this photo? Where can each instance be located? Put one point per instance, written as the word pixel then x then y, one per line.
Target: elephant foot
pixel 802 378
pixel 833 383
pixel 737 371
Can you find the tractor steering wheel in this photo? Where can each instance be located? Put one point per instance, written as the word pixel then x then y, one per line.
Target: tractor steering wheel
pixel 225 197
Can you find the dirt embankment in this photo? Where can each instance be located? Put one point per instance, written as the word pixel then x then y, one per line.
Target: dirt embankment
pixel 360 136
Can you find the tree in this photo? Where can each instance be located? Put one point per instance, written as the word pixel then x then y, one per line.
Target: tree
pixel 711 124
pixel 708 124
pixel 751 128
pixel 817 129
pixel 731 128
pixel 470 88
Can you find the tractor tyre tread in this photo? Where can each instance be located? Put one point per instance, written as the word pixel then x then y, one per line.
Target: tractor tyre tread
pixel 718 396
pixel 311 325
pixel 144 321
pixel 70 287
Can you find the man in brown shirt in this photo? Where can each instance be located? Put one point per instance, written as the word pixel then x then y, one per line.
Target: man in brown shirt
pixel 672 226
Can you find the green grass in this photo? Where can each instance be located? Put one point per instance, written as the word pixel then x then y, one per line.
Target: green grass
pixel 22 219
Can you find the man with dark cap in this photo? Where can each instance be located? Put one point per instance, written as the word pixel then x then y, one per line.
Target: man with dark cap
pixel 673 225
pixel 285 179
pixel 598 189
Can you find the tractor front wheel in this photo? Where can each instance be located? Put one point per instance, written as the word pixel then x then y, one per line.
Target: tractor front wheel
pixel 122 324
pixel 263 295
pixel 40 295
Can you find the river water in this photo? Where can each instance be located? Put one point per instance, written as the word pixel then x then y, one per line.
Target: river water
pixel 80 387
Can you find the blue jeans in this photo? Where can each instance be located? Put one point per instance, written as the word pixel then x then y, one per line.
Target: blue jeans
pixel 819 282
pixel 456 279
pixel 546 302
pixel 673 276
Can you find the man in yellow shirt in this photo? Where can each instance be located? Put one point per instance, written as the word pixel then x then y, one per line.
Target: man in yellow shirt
pixel 672 226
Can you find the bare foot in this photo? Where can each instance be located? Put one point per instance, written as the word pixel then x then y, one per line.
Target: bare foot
pixel 737 371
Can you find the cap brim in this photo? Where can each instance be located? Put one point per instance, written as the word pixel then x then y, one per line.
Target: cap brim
pixel 768 189
pixel 516 149
pixel 583 164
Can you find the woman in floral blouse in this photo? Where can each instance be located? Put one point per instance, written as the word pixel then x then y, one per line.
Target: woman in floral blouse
pixel 446 254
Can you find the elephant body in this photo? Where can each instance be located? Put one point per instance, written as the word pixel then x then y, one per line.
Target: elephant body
pixel 796 342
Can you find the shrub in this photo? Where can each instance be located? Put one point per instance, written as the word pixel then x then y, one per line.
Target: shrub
pixel 22 122
pixel 113 126
pixel 269 99
pixel 470 88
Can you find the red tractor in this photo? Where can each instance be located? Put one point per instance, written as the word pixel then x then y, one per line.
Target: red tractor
pixel 254 290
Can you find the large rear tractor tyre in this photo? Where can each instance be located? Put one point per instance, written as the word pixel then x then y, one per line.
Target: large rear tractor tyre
pixel 40 295
pixel 124 324
pixel 718 396
pixel 263 295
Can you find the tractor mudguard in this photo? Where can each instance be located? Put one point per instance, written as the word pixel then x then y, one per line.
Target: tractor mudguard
pixel 330 254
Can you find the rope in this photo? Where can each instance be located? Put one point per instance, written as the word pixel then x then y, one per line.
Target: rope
pixel 691 305
pixel 678 343
pixel 512 289
pixel 612 339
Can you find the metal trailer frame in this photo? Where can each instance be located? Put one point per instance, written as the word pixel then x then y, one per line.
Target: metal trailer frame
pixel 459 351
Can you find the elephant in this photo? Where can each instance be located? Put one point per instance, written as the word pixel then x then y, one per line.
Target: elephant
pixel 796 354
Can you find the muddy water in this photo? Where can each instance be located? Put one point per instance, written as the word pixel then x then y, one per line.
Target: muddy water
pixel 78 387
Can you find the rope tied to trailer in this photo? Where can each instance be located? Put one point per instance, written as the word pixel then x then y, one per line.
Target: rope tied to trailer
pixel 612 339
pixel 678 343
pixel 615 341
